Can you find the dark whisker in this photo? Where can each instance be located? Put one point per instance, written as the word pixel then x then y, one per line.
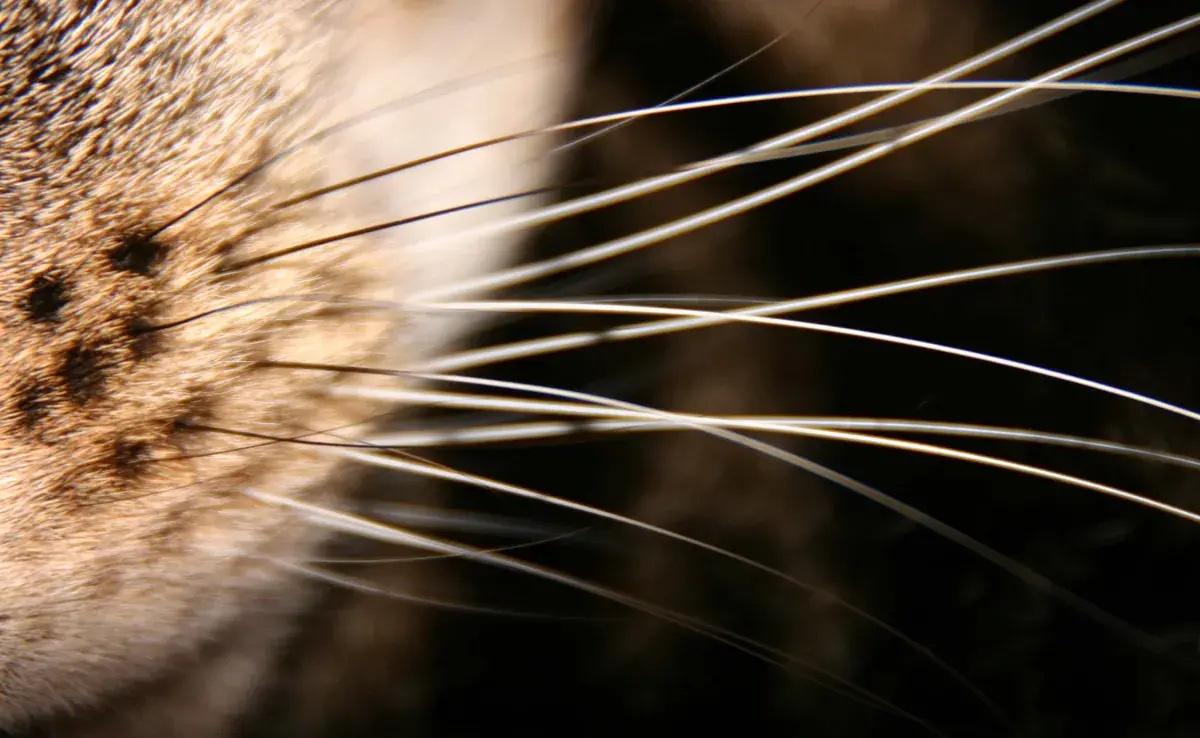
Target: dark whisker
pixel 295 440
pixel 328 300
pixel 396 169
pixel 332 130
pixel 377 227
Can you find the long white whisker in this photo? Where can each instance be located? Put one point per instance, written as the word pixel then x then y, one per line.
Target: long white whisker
pixel 361 585
pixel 451 475
pixel 982 459
pixel 512 433
pixel 783 95
pixel 655 184
pixel 611 121
pixel 756 316
pixel 391 462
pixel 461 521
pixel 623 422
pixel 360 526
pixel 812 430
pixel 1015 568
pixel 856 140
pixel 620 121
pixel 384 511
pixel 690 420
pixel 465 401
pixel 1082 606
pixel 474 358
pixel 528 272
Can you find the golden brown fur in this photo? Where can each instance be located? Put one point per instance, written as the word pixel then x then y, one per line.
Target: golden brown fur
pixel 129 549
pixel 143 592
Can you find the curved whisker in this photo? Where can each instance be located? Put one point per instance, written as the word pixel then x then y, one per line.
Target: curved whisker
pixel 336 128
pixel 361 561
pixel 504 433
pixel 1084 607
pixel 377 227
pixel 819 429
pixel 1095 82
pixel 622 422
pixel 390 462
pixel 750 157
pixel 690 420
pixel 413 464
pixel 613 123
pixel 981 459
pixel 708 216
pixel 358 584
pixel 475 358
pixel 611 120
pixel 357 525
pixel 665 104
pixel 464 521
pixel 754 315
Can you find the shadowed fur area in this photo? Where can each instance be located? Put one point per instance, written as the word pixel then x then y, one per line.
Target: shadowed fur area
pixel 228 274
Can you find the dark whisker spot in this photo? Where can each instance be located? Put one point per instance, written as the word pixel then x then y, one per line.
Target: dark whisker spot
pixel 143 340
pixel 84 373
pixel 33 407
pixel 192 416
pixel 128 457
pixel 46 299
pixel 137 253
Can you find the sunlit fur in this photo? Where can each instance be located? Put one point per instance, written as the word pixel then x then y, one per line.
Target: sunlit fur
pixel 129 554
pixel 247 245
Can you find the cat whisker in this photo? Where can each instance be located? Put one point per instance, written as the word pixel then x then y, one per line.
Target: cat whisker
pixel 464 521
pixel 749 157
pixel 358 584
pixel 416 98
pixel 505 433
pixel 377 227
pixel 450 475
pixel 883 135
pixel 415 559
pixel 616 247
pixel 754 315
pixel 416 465
pixel 1096 82
pixel 1082 606
pixel 823 146
pixel 612 121
pixel 397 464
pixel 691 420
pixel 976 458
pixel 623 121
pixel 359 526
pixel 466 401
pixel 623 422
pixel 706 422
